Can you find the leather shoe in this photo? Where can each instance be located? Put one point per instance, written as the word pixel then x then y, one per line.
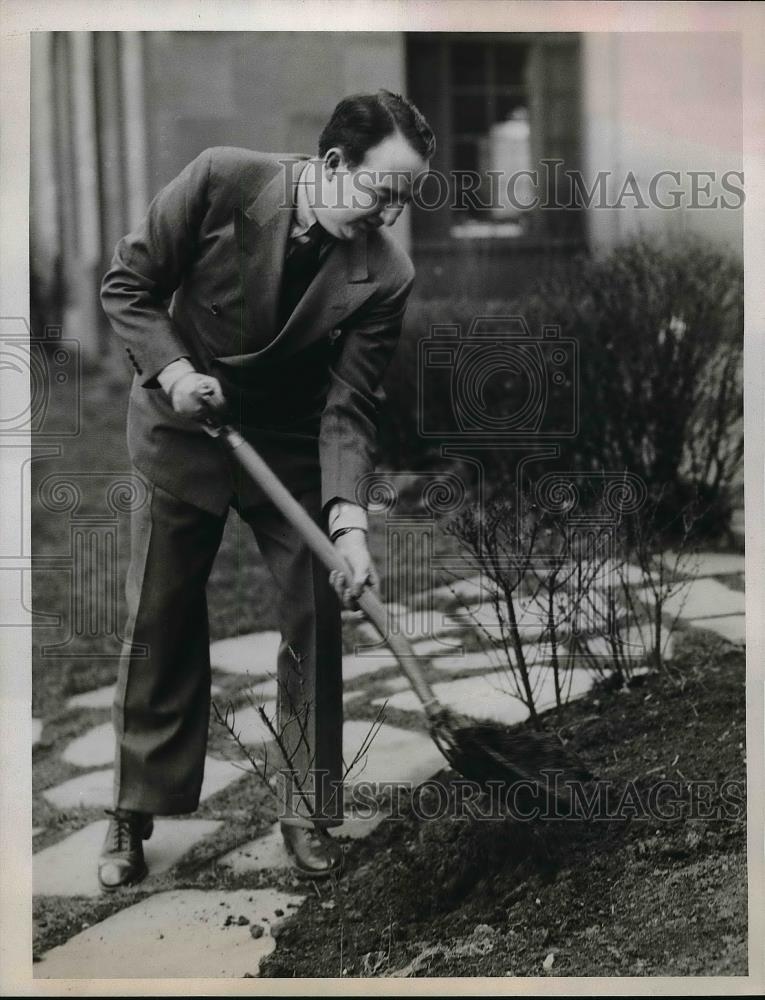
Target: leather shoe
pixel 314 853
pixel 122 861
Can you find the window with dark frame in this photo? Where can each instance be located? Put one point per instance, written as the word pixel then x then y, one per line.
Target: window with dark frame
pixel 500 105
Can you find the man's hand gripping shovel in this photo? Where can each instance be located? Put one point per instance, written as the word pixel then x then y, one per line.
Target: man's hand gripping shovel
pixel 480 751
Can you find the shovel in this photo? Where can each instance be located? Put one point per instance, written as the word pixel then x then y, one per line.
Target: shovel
pixel 480 751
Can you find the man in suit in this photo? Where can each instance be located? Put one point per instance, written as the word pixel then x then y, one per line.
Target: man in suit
pixel 287 298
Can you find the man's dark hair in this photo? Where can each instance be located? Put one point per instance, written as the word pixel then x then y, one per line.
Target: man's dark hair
pixel 362 121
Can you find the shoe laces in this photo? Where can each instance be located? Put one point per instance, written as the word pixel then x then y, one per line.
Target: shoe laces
pixel 121 830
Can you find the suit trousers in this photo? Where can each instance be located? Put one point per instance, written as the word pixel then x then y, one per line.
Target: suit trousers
pixel 162 700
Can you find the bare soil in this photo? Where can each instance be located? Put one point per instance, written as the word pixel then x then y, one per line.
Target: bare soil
pixel 623 894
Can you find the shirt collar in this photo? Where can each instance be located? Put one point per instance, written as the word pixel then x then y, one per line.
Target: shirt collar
pixel 304 216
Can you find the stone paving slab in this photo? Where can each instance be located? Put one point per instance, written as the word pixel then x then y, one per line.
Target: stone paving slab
pixel 98 698
pixel 368 661
pixel 394 755
pixel 637 643
pixel 730 627
pixel 219 774
pixel 463 696
pixel 574 683
pixel 357 665
pixel 702 598
pixel 612 574
pixel 702 564
pixel 481 662
pixel 176 935
pixel 250 727
pixel 442 646
pixel 69 868
pixel 489 697
pixel 480 589
pixel 268 853
pixel 246 654
pixel 490 660
pixel 93 749
pixel 95 789
pixel 238 655
pixel 531 621
pixel 422 623
pixel 470 590
pixel 390 686
pixel 96 747
pixel 531 612
pixel 261 854
pixel 417 624
pixel 394 685
pixel 261 692
pixel 103 697
pixel 265 690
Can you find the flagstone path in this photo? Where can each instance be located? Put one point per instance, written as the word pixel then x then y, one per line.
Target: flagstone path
pixel 226 932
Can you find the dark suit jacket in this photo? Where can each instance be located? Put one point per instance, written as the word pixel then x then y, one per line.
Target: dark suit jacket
pixel 213 242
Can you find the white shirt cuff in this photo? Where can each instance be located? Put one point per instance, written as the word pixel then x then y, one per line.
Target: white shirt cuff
pixel 344 514
pixel 172 372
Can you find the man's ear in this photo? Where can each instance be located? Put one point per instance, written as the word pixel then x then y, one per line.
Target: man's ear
pixel 333 161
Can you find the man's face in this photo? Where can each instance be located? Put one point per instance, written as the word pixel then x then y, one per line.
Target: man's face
pixel 371 194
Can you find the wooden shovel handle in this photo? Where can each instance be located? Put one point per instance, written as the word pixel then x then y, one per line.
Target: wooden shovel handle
pixel 312 534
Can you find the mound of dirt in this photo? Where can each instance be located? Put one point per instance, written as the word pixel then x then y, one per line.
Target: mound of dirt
pixel 647 878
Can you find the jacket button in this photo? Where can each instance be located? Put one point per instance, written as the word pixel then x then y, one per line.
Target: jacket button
pixel 215 309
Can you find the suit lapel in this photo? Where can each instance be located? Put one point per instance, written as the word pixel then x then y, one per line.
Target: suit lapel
pixel 262 229
pixel 341 286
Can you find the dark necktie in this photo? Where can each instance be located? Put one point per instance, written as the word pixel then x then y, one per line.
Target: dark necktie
pixel 300 268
